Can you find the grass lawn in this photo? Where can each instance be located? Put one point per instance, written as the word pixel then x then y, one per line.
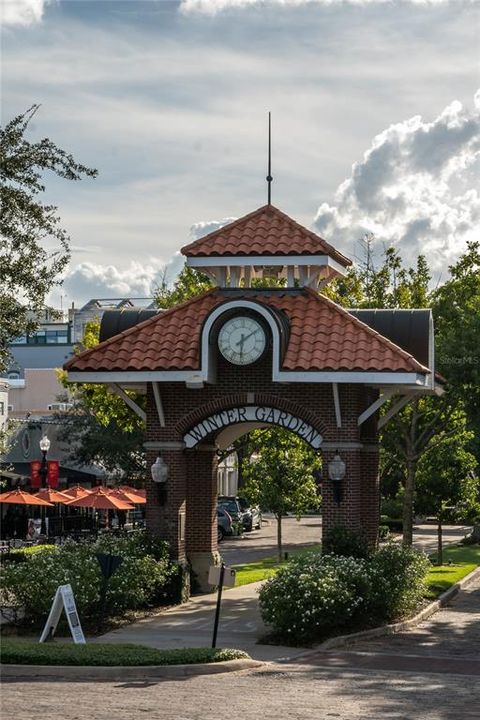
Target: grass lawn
pixel 265 568
pixel 464 559
pixel 25 652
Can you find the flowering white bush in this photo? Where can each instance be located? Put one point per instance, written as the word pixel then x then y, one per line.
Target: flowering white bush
pixel 316 594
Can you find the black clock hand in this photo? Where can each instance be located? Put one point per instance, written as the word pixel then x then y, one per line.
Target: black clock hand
pixel 244 338
pixel 241 343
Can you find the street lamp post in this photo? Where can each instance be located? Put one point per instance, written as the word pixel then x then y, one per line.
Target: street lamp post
pixel 43 472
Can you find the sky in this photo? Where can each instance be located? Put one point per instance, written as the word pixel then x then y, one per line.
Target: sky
pixel 375 118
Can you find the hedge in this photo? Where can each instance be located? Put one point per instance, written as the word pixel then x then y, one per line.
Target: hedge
pixel 18 652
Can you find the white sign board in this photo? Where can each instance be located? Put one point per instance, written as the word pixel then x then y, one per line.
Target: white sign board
pixel 229 575
pixel 63 600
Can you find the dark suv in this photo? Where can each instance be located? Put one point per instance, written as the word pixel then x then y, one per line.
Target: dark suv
pixel 232 506
pixel 240 510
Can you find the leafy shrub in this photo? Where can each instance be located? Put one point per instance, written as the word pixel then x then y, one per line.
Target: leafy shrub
pixel 392 507
pixel 141 577
pixel 383 532
pixel 315 595
pixel 348 543
pixel 20 652
pixel 397 576
pixel 312 594
pixel 393 524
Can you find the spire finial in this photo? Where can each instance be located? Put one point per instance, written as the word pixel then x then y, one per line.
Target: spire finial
pixel 269 176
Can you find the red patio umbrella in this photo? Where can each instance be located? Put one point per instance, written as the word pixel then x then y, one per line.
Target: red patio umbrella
pixel 52 496
pixel 19 497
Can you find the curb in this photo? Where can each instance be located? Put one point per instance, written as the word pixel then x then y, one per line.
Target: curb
pixel 444 598
pixel 73 673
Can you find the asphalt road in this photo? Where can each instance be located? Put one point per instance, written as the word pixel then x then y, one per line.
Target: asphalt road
pixel 308 531
pixel 428 673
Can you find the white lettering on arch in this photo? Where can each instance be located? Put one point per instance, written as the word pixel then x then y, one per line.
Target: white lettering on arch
pixel 253 413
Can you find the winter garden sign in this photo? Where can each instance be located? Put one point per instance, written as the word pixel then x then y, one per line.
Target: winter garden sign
pixel 257 414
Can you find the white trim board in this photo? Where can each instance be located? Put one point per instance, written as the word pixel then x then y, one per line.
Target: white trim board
pixel 264 260
pixel 330 376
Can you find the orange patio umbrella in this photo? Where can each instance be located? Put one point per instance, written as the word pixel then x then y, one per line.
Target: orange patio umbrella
pixel 136 491
pixel 77 491
pixel 19 497
pixel 101 500
pixel 128 496
pixel 52 496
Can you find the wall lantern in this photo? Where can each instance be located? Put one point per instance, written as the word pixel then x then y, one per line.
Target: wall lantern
pixel 159 471
pixel 336 473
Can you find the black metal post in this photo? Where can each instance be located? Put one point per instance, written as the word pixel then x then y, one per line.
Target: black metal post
pixel 219 600
pixel 43 472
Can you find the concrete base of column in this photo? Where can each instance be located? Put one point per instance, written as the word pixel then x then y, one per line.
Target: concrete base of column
pixel 181 582
pixel 200 563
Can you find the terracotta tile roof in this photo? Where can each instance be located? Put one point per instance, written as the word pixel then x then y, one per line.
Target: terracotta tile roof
pixel 266 231
pixel 323 336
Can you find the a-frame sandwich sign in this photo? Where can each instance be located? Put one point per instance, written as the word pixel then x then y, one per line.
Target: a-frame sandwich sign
pixel 63 600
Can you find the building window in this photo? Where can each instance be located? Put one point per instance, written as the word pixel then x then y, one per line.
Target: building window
pixel 13 375
pixel 2 407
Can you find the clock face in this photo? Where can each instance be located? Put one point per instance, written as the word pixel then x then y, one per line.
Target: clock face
pixel 242 340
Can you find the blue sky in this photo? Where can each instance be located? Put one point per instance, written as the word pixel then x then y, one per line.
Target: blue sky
pixel 374 121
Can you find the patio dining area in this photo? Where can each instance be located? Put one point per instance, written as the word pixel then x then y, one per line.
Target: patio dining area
pixel 76 513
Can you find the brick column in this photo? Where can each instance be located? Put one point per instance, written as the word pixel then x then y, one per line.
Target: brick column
pixel 370 489
pixel 166 505
pixel 359 508
pixel 201 539
pixel 347 513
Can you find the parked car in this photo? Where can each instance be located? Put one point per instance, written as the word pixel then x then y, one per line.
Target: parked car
pixel 252 516
pixel 241 510
pixel 224 523
pixel 232 506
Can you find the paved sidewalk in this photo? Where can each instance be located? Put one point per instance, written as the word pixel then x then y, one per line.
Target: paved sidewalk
pixel 191 625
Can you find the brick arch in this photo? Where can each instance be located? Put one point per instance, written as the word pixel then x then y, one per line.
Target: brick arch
pixel 202 412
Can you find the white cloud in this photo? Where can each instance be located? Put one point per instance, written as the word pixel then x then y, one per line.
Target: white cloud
pixel 21 12
pixel 88 280
pixel 415 188
pixel 211 7
pixel 203 228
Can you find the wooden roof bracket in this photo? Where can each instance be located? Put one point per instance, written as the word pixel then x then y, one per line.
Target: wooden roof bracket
pixel 396 407
pixel 384 397
pixel 158 403
pixel 336 403
pixel 117 390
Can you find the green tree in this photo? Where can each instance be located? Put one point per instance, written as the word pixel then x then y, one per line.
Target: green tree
pixel 445 475
pixel 34 248
pixel 102 429
pixel 189 284
pixel 278 475
pixel 456 309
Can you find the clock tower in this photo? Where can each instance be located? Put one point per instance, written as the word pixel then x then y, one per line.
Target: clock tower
pixel 251 353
